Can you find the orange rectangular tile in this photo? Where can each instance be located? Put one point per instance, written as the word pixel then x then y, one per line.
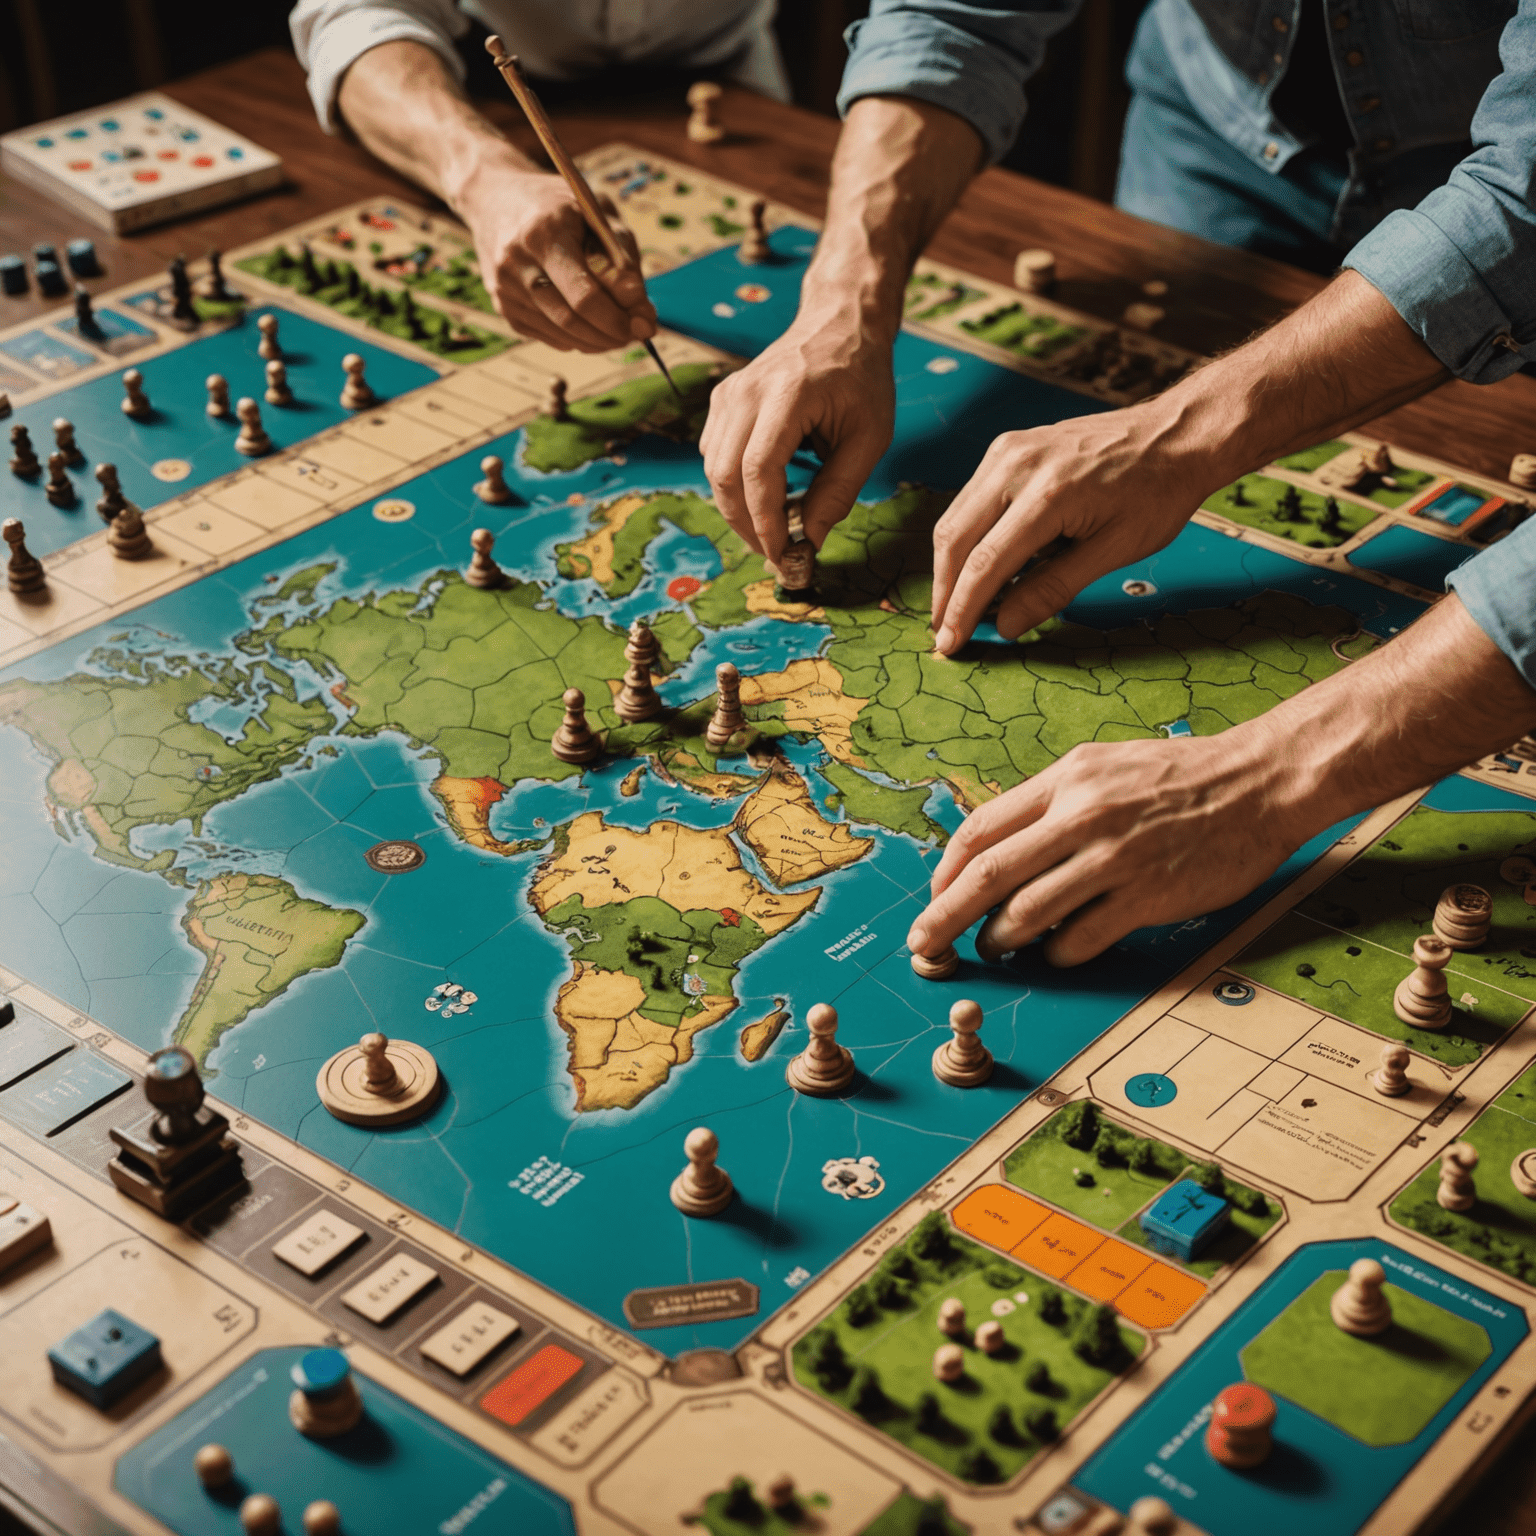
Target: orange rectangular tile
pixel 534 1382
pixel 998 1215
pixel 1159 1296
pixel 1057 1246
pixel 1109 1269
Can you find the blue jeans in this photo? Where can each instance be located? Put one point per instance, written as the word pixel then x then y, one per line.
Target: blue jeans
pixel 1176 170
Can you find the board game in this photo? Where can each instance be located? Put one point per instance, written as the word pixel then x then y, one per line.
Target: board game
pixel 295 801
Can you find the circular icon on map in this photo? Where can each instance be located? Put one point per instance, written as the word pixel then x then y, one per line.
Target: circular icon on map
pixel 1233 993
pixel 1137 587
pixel 396 857
pixel 754 293
pixel 942 364
pixel 170 469
pixel 1151 1090
pixel 723 310
pixel 394 509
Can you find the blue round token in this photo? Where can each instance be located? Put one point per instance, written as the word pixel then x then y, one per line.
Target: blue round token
pixel 319 1371
pixel 1151 1090
pixel 1233 993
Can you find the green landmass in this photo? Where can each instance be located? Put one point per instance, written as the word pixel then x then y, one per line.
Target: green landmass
pixel 1310 460
pixel 1500 1230
pixel 1285 511
pixel 883 805
pixel 874 1356
pixel 738 1511
pixel 931 297
pixel 688 512
pixel 1382 1390
pixel 1409 482
pixel 257 936
pixel 1346 946
pixel 1030 333
pixel 643 404
pixel 912 1516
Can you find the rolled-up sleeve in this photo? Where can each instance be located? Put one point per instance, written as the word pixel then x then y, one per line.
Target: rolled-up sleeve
pixel 329 36
pixel 1498 588
pixel 971 59
pixel 1461 267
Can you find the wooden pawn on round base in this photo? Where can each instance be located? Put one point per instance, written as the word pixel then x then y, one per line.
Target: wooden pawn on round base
pixel 379 1082
pixel 1358 1306
pixel 939 967
pixel 703 1188
pixel 963 1061
pixel 824 1067
pixel 1423 997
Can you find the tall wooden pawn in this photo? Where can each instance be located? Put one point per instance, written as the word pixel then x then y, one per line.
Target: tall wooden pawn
pixel 64 441
pixel 1391 1078
pixel 1423 997
pixel 24 571
pixel 135 402
pixel 112 499
pixel 1463 916
pixel 357 395
pixel 278 390
pixel 267 349
pixel 493 489
pixel 727 719
pixel 483 571
pixel 1151 1516
pixel 60 489
pixel 574 741
pixel 703 1188
pixel 703 105
pixel 24 461
pixel 218 395
pixel 824 1067
pixel 754 249
pixel 554 404
pixel 252 439
pixel 127 537
pixel 963 1061
pixel 1241 1431
pixel 638 699
pixel 1359 1305
pixel 1457 1191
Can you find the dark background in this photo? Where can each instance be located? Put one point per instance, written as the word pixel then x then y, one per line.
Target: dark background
pixel 59 56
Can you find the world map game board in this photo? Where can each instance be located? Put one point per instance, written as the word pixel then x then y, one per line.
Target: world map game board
pixel 288 781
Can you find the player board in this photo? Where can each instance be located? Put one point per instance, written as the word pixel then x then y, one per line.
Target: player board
pixel 288 782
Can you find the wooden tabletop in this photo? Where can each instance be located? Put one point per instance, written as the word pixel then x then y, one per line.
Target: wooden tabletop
pixel 1217 297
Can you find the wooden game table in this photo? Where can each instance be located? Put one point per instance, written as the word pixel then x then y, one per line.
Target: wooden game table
pixel 1217 297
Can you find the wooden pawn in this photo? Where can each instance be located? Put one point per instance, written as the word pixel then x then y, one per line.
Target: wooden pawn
pixel 574 741
pixel 963 1061
pixel 727 719
pixel 824 1067
pixel 638 699
pixel 24 571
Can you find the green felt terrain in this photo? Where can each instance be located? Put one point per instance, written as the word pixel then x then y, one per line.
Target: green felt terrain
pixel 643 404
pixel 992 1422
pixel 1285 511
pixel 1311 459
pixel 1030 333
pixel 1500 1230
pixel 1381 1390
pixel 1345 948
pixel 740 1511
pixel 930 297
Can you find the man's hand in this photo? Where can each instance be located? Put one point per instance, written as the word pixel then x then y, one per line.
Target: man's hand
pixel 819 383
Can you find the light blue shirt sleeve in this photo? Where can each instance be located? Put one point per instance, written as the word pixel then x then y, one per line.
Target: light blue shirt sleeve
pixel 971 59
pixel 1498 588
pixel 1461 267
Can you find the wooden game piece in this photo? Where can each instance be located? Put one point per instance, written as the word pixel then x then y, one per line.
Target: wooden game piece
pixel 13 275
pixel 214 1465
pixel 85 315
pixel 184 314
pixel 949 1362
pixel 703 113
pixel 357 395
pixel 1241 1431
pixel 322 1518
pixel 278 390
pixel 1522 1173
pixel 60 489
pixel 951 1318
pixel 218 395
pixel 1457 1191
pixel 127 537
pixel 1154 288
pixel 1518 869
pixel 703 1188
pixel 260 1515
pixel 1359 1306
pixel 574 741
pixel 24 571
pixel 797 571
pixel 754 249
pixel 493 489
pixel 1391 1077
pixel 727 719
pixel 1034 271
pixel 963 1061
pixel 824 1067
pixel 379 1082
pixel 937 967
pixel 252 439
pixel 1463 916
pixel 267 348
pixel 990 1339
pixel 135 402
pixel 5 405
pixel 780 1493
pixel 638 699
pixel 1522 471
pixel 1151 1516
pixel 1423 997
pixel 24 460
pixel 483 571
pixel 64 441
pixel 1141 316
pixel 212 284
pixel 325 1401
pixel 112 499
pixel 555 406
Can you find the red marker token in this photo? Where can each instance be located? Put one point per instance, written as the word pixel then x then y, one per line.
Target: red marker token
pixel 146 175
pixel 202 162
pixel 1241 1431
pixel 79 165
pixel 681 588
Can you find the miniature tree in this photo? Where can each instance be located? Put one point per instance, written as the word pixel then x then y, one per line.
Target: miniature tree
pixel 859 1309
pixel 978 1466
pixel 930 1416
pixel 1041 1423
pixel 1001 1426
pixel 1096 1336
pixel 740 1504
pixel 899 1262
pixel 869 1400
pixel 888 1292
pixel 1210 1178
pixel 1080 1124
pixel 930 1238
pixel 829 1363
pixel 1254 1203
pixel 1050 1306
pixel 1038 1378
pixel 1109 1150
pixel 1143 1156
pixel 933 1518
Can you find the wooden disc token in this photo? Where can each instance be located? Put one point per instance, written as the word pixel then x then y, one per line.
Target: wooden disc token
pixel 342 1084
pixel 1522 1174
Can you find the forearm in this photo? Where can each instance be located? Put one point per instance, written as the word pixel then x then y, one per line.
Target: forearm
pixel 901 165
pixel 405 107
